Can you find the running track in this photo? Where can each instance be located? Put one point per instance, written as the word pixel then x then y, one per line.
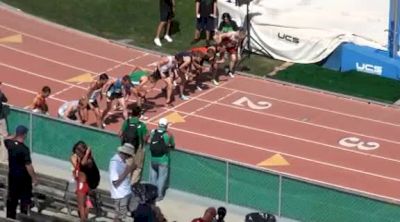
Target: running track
pixel 244 119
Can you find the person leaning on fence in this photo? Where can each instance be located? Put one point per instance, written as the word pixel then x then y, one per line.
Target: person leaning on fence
pixel 87 177
pixel 21 174
pixel 3 125
pixel 160 143
pixel 134 131
pixel 119 172
pixel 39 104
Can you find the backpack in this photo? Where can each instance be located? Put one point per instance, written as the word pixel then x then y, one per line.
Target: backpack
pixel 260 217
pixel 130 134
pixel 158 148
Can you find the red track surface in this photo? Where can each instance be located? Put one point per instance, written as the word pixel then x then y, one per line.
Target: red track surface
pixel 305 127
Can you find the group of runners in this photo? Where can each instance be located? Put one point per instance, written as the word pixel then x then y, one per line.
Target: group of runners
pixel 175 71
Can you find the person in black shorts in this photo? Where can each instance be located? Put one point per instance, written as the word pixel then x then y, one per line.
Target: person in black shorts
pixel 116 90
pixel 94 93
pixel 21 174
pixel 167 12
pixel 206 12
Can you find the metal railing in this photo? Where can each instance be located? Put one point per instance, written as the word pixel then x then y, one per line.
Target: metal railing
pixel 226 180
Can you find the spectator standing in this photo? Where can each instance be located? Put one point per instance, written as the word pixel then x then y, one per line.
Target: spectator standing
pixel 3 126
pixel 87 177
pixel 227 24
pixel 134 131
pixel 167 13
pixel 209 215
pixel 119 171
pixel 39 104
pixel 221 212
pixel 206 12
pixel 161 142
pixel 21 174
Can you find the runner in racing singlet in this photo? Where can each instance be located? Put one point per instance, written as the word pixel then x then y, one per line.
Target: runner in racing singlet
pixel 116 90
pixel 95 92
pixel 74 110
pixel 166 68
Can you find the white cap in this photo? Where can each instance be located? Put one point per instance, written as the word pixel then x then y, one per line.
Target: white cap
pixel 163 122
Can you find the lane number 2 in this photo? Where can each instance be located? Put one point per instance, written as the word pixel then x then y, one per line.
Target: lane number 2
pixel 259 105
pixel 354 142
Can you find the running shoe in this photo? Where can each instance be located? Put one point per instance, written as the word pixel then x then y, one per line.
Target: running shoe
pixel 198 88
pixel 143 117
pixel 185 98
pixel 231 74
pixel 168 38
pixel 157 42
pixel 215 82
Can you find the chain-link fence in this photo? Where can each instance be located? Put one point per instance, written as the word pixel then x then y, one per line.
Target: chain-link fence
pixel 213 177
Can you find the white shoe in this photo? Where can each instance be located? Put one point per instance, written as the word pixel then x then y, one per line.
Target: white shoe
pixel 168 38
pixel 184 98
pixel 157 42
pixel 142 117
pixel 215 82
pixel 231 74
pixel 198 88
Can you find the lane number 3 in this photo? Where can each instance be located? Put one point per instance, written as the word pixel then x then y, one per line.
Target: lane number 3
pixel 259 105
pixel 354 142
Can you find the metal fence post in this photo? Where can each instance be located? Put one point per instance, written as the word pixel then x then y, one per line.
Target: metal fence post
pixel 280 196
pixel 227 183
pixel 30 132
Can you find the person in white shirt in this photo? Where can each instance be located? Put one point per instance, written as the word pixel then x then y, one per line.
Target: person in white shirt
pixel 75 110
pixel 119 172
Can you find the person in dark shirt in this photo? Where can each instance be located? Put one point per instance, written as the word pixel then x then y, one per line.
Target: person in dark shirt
pixel 3 125
pixel 206 12
pixel 21 174
pixel 227 24
pixel 167 13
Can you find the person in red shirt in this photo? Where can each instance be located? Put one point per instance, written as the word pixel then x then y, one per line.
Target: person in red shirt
pixel 39 104
pixel 231 41
pixel 214 56
pixel 209 215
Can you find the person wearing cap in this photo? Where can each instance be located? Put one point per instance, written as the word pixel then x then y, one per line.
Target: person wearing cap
pixel 21 174
pixel 141 131
pixel 161 142
pixel 3 125
pixel 119 172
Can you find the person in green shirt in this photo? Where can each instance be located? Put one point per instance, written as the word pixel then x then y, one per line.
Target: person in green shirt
pixel 227 24
pixel 161 142
pixel 137 127
pixel 142 82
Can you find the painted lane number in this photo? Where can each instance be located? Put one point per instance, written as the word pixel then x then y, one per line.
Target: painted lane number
pixel 354 142
pixel 244 101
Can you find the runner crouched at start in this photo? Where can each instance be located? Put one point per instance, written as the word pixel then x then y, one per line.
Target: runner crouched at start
pixel 75 110
pixel 115 90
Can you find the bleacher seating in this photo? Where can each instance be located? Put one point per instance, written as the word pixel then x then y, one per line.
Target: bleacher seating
pixel 52 195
